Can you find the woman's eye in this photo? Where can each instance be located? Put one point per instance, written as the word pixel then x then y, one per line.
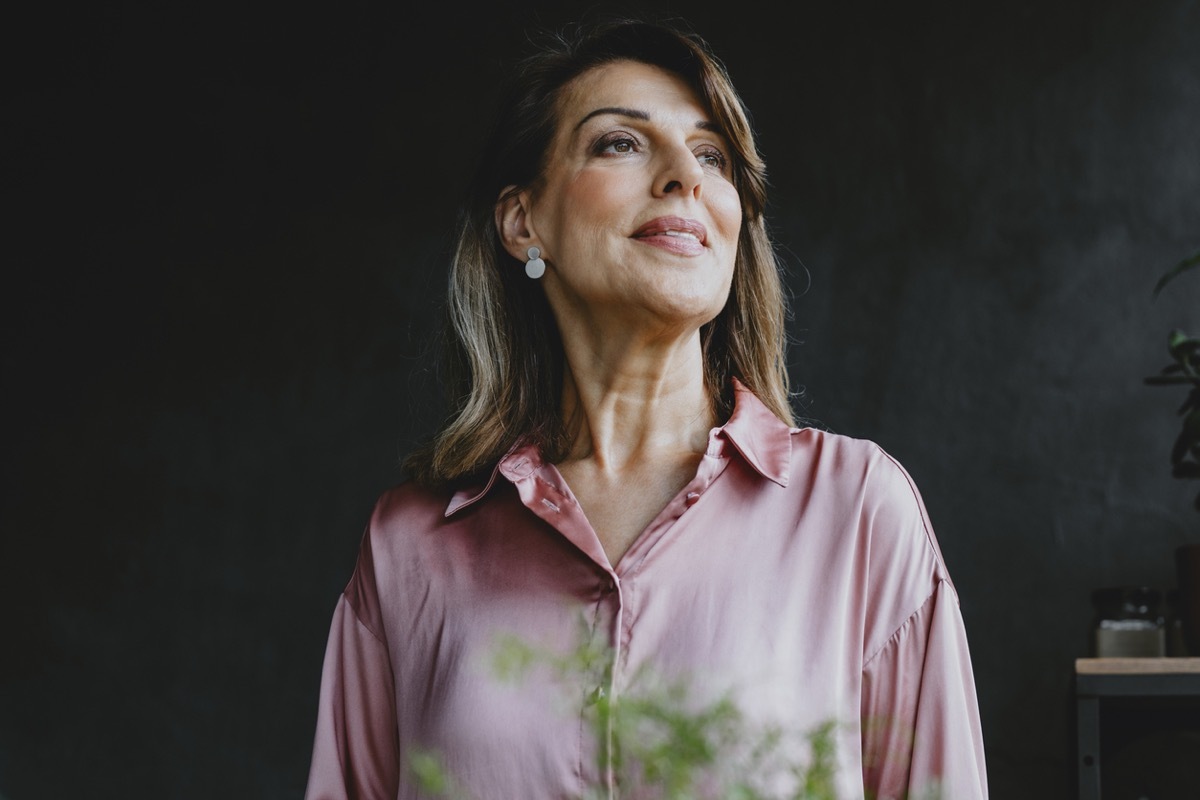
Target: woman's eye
pixel 616 144
pixel 712 158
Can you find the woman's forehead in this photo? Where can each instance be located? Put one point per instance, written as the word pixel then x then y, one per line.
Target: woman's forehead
pixel 626 84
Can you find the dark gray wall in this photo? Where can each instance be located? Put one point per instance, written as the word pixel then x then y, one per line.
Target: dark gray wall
pixel 231 234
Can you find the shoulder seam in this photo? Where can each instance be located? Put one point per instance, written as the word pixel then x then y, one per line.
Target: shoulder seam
pixel 895 637
pixel 358 618
pixel 923 512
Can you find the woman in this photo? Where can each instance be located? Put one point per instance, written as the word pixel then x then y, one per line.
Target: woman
pixel 622 452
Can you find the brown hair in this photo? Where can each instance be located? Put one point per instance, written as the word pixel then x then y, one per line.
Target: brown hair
pixel 505 353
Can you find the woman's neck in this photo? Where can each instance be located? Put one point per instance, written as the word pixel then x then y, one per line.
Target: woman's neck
pixel 626 406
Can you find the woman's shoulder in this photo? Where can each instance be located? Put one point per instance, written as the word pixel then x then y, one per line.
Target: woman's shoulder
pixel 409 495
pixel 406 527
pixel 849 457
pixel 866 477
pixel 410 505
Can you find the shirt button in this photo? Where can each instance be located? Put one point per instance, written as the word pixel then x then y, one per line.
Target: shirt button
pixel 692 497
pixel 596 695
pixel 609 586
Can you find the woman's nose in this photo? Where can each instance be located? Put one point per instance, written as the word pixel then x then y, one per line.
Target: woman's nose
pixel 680 173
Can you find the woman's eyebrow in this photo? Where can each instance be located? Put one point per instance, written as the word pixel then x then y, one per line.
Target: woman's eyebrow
pixel 703 124
pixel 616 110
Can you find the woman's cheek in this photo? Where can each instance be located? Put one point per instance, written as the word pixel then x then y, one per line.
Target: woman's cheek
pixel 725 205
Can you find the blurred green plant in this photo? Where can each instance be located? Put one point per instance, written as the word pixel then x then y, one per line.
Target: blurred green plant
pixel 655 736
pixel 658 741
pixel 1183 370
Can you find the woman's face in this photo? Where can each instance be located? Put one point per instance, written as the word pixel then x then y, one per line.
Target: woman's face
pixel 636 211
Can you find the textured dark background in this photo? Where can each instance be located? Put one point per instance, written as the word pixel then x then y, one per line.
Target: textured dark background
pixel 223 275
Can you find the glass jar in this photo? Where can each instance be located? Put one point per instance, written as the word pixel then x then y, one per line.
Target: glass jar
pixel 1176 641
pixel 1128 623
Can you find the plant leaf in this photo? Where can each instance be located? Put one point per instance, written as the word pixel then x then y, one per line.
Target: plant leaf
pixel 1179 343
pixel 1188 263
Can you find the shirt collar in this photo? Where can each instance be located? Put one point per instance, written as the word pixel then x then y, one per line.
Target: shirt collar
pixel 762 439
pixel 759 437
pixel 521 460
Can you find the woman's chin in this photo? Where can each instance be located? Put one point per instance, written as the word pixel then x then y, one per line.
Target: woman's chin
pixel 677 315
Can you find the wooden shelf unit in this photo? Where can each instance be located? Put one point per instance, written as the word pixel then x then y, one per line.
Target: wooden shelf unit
pixel 1099 679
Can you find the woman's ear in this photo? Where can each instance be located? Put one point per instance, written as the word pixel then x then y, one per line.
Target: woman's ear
pixel 513 224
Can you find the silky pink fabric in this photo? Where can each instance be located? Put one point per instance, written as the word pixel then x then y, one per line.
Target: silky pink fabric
pixel 797 571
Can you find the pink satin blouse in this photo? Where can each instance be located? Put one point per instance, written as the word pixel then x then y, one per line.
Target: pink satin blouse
pixel 797 573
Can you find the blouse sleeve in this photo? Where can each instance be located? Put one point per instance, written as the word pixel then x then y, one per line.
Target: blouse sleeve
pixel 355 749
pixel 922 738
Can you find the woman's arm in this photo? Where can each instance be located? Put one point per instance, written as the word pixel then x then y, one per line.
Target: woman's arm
pixel 921 732
pixel 355 749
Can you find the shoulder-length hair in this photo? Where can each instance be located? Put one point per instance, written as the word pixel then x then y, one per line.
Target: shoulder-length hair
pixel 505 356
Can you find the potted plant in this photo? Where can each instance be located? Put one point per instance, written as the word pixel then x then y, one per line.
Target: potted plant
pixel 1184 370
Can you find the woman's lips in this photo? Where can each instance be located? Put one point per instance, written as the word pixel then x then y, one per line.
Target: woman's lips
pixel 675 234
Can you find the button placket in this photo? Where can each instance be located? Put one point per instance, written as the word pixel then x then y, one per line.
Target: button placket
pixel 610 592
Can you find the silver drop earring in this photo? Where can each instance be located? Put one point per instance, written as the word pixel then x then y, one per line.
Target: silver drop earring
pixel 535 267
